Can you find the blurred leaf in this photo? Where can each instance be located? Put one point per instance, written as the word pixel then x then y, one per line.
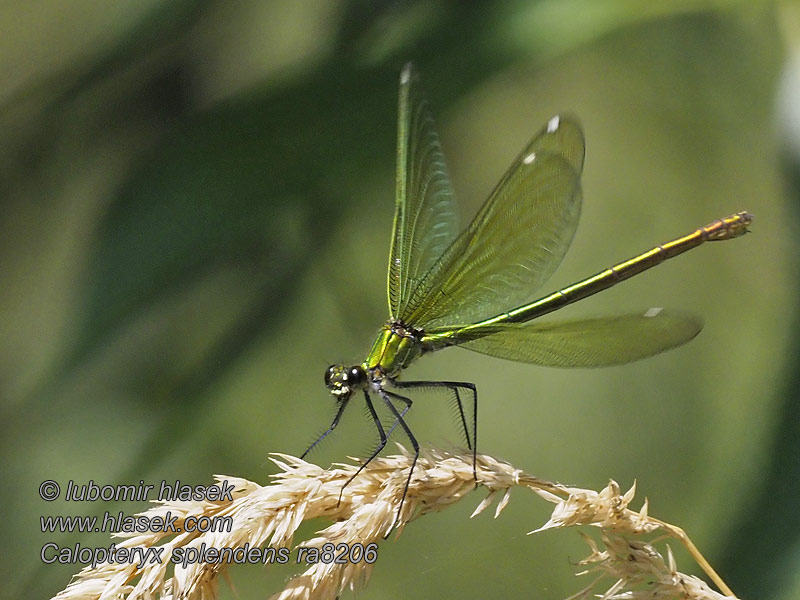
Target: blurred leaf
pixel 256 187
pixel 760 559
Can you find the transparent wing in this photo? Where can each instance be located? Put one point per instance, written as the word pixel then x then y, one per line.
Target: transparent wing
pixel 425 219
pixel 592 342
pixel 516 240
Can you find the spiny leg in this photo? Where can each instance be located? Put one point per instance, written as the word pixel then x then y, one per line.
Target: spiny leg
pixel 342 404
pixel 454 386
pixel 381 445
pixel 387 396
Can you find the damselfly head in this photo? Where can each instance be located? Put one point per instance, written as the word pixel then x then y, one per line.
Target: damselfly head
pixel 342 380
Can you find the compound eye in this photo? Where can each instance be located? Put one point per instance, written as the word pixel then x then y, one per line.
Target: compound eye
pixel 356 376
pixel 329 373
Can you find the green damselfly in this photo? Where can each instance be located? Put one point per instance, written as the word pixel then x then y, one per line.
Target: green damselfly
pixel 473 289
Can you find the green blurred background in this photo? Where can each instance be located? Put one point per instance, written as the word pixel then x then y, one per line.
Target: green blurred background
pixel 196 208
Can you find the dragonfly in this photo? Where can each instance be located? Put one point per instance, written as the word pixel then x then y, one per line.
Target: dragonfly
pixel 473 288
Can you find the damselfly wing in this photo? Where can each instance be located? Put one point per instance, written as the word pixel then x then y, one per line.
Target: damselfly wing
pixel 474 289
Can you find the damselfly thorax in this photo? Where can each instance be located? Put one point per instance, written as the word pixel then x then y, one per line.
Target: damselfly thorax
pixel 395 347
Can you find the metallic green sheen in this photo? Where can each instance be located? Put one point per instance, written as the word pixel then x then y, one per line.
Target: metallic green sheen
pixel 394 349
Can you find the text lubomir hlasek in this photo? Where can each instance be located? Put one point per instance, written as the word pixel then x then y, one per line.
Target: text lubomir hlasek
pixel 167 491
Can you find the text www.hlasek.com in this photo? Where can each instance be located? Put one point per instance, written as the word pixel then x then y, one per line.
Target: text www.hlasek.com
pixel 121 523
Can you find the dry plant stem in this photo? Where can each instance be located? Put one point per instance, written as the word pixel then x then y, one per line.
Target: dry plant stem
pixel 672 531
pixel 680 534
pixel 270 515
